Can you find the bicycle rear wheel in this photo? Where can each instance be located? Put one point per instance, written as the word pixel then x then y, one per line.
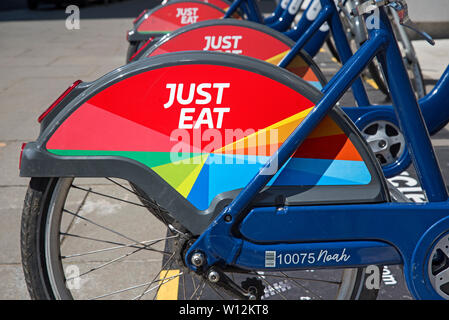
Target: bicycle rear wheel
pixel 100 239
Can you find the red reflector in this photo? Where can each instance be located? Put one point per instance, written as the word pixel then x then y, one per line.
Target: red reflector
pixel 140 16
pixel 21 152
pixel 143 47
pixel 57 101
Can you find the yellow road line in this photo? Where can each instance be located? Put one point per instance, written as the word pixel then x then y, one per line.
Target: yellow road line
pixel 335 60
pixel 169 288
pixel 372 83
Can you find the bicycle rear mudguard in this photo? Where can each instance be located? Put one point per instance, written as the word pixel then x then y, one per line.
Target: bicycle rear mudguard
pixel 239 37
pixel 191 129
pixel 163 19
pixel 222 4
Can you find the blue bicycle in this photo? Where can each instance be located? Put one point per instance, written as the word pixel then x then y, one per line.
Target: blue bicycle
pixel 220 191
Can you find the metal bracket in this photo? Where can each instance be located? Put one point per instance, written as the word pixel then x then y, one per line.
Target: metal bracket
pixel 400 6
pixel 368 6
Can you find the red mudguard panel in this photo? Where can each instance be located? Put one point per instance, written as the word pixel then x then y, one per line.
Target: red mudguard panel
pixel 207 129
pixel 238 39
pixel 175 15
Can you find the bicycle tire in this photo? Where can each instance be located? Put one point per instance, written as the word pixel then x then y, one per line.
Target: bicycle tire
pixel 376 75
pixel 132 49
pixel 35 260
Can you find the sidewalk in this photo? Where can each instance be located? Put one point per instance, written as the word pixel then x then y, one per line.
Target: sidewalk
pixel 39 59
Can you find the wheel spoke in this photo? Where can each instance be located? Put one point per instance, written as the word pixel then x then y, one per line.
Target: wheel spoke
pixel 164 277
pixel 142 198
pixel 302 287
pixel 109 196
pixel 72 221
pixel 100 226
pixel 184 285
pixel 140 285
pixel 442 278
pixel 131 245
pixel 136 287
pixel 387 155
pixel 122 186
pixel 196 289
pixel 106 263
pixel 202 290
pixel 302 279
pixel 396 139
pixel 164 267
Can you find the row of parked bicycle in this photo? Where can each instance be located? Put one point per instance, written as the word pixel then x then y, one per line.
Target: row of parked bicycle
pixel 253 182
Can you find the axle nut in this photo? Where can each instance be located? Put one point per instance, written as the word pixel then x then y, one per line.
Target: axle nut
pixel 198 259
pixel 213 276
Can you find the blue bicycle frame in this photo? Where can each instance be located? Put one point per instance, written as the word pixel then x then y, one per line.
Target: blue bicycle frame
pixel 315 43
pixel 341 235
pixel 328 14
pixel 280 20
pixel 281 6
pixel 310 33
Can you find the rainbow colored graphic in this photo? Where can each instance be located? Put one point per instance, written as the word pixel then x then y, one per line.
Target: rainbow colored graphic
pixel 126 120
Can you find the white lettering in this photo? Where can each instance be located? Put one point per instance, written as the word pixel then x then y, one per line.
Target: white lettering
pixel 172 87
pixel 220 112
pixel 187 15
pixel 207 96
pixel 183 118
pixel 220 87
pixel 205 117
pixel 223 43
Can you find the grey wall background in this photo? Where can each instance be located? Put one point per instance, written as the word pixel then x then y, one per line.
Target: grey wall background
pixel 12 4
pixel 429 10
pixel 431 16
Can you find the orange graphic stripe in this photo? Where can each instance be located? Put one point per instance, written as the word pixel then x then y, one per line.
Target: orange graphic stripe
pixel 266 141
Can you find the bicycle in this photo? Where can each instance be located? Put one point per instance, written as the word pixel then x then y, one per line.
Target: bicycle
pixel 307 193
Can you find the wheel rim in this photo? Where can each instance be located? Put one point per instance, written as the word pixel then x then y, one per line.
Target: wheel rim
pixel 112 263
pixel 438 267
pixel 385 140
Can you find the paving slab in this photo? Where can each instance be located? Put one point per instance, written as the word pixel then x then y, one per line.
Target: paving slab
pixel 11 204
pixel 12 281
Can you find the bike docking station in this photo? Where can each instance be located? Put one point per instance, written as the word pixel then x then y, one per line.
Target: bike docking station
pixel 255 184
